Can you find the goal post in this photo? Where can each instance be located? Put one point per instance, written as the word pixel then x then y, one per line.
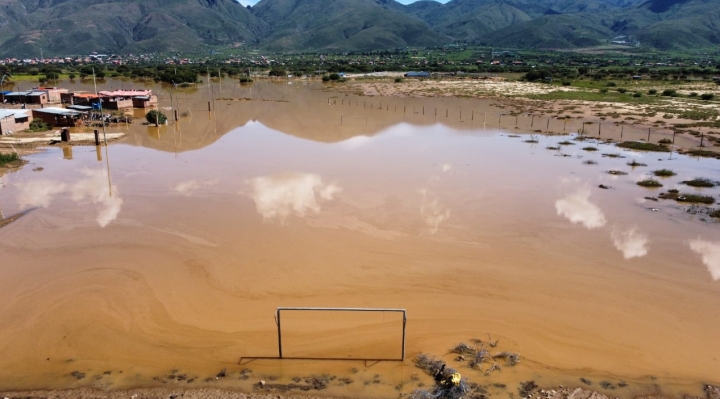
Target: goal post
pixel 279 311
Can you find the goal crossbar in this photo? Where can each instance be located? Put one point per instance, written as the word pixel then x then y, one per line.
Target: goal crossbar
pixel 279 330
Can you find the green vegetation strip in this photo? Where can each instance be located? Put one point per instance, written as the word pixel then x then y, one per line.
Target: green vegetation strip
pixel 642 146
pixel 700 182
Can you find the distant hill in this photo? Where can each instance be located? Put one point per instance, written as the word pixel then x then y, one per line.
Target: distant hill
pixel 66 27
pixel 342 24
pixel 83 26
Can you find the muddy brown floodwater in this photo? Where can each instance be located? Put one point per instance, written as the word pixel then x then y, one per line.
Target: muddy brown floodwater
pixel 167 253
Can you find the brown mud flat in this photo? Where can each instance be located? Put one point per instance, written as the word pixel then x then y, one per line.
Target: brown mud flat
pixel 299 198
pixel 712 392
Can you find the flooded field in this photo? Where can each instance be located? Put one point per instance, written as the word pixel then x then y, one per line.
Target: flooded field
pixel 166 253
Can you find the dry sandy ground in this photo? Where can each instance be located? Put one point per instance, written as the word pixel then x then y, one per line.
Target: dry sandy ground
pixel 712 392
pixel 516 96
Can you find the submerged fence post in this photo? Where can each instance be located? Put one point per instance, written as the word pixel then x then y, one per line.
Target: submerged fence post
pixel 674 132
pixel 622 129
pixel 648 139
pixel 209 109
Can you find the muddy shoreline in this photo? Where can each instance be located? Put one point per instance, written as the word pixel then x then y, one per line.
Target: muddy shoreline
pixel 712 392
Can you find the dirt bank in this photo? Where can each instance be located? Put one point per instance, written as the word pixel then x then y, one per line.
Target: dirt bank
pixel 712 392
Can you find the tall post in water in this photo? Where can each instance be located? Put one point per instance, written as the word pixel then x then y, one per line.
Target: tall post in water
pixel 622 129
pixel 446 112
pixel 702 138
pixel 564 124
pixel 599 128
pixel 516 120
pixel 582 132
pixel 472 115
pixel 547 128
pixel 648 139
pixel 674 132
pixel 532 120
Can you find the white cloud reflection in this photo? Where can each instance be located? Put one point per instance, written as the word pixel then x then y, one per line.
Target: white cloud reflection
pixel 432 212
pixel 92 188
pixel 630 242
pixel 95 188
pixel 577 208
pixel 38 192
pixel 279 196
pixel 190 187
pixel 710 252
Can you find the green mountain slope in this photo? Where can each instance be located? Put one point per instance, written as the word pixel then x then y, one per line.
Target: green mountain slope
pixel 342 24
pixel 67 27
pixel 82 26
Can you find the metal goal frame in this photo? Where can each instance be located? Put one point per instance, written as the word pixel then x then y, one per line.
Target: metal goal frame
pixel 279 329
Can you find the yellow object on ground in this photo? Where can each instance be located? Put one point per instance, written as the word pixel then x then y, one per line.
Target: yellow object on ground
pixel 456 377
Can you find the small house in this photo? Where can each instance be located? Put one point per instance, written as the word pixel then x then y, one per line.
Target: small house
pixel 14 120
pixel 144 101
pixel 58 116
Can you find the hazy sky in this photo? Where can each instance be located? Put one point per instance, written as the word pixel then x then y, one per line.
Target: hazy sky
pixel 252 2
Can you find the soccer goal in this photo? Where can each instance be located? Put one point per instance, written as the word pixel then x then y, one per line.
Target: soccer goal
pixel 370 334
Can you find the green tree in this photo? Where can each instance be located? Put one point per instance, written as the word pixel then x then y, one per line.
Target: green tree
pixel 156 116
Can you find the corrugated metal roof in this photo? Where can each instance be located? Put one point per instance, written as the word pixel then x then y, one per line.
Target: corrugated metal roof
pixel 19 113
pixel 126 93
pixel 56 111
pixel 17 93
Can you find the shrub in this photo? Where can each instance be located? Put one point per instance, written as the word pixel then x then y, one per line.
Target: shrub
pixel 611 84
pixel 7 159
pixel 652 92
pixel 637 94
pixel 334 76
pixel 566 83
pixel 603 90
pixel 693 94
pixel 326 78
pixel 245 79
pixel 665 141
pixel 707 96
pixel 398 80
pixel 155 116
pixel 72 76
pixel 664 173
pixel 622 90
pixel 700 182
pixel 649 183
pixel 37 125
pixel 669 93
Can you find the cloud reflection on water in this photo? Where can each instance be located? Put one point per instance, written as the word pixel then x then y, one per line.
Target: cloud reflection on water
pixel 282 195
pixel 710 252
pixel 630 242
pixel 93 188
pixel 577 208
pixel 432 212
pixel 190 187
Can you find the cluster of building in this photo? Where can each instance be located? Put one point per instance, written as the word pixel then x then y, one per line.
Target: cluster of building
pixel 73 107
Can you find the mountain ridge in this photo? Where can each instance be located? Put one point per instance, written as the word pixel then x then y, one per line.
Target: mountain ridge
pixel 68 27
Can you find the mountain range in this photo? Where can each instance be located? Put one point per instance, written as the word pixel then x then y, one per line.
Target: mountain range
pixel 69 27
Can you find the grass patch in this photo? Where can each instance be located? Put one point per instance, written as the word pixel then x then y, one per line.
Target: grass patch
pixel 649 183
pixel 685 197
pixel 10 159
pixel 700 182
pixel 590 162
pixel 613 155
pixel 635 163
pixel 616 172
pixel 642 146
pixel 552 148
pixel 703 153
pixel 664 173
pixel 715 213
pixel 590 149
pixel 566 143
